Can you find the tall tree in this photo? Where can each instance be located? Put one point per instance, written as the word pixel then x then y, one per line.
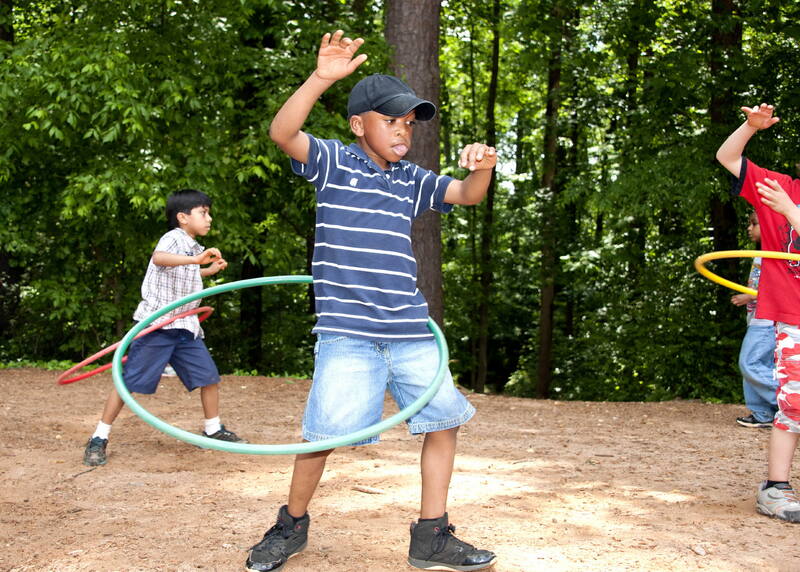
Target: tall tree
pixel 412 31
pixel 486 272
pixel 549 264
pixel 724 54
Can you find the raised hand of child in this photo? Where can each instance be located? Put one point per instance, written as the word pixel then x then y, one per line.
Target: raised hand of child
pixel 335 59
pixel 478 156
pixel 760 116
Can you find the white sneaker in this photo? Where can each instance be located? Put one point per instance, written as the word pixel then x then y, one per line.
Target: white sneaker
pixel 778 501
pixel 169 372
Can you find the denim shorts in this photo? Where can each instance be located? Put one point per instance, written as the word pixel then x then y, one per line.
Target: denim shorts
pixel 187 355
pixel 351 377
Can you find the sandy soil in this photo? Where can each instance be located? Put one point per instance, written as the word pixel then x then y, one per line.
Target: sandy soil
pixel 547 485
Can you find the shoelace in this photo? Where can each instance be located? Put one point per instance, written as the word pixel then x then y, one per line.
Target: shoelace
pixel 443 535
pixel 285 532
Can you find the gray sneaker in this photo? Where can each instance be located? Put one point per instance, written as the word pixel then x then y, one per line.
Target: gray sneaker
pixel 434 547
pixel 287 538
pixel 95 453
pixel 778 501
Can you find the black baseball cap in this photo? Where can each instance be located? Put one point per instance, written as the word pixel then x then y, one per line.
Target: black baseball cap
pixel 389 96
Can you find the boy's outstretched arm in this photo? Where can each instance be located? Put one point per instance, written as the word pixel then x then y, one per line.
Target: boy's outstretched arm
pixel 730 152
pixel 335 61
pixel 480 159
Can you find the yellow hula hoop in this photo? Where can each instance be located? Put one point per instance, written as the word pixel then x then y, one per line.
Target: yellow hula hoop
pixel 699 265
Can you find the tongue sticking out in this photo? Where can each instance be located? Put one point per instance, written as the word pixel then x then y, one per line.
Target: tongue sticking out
pixel 401 150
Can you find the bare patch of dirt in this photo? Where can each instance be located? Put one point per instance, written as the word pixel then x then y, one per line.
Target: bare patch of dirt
pixel 547 485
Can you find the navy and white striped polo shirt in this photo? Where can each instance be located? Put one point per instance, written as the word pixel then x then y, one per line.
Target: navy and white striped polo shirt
pixel 364 270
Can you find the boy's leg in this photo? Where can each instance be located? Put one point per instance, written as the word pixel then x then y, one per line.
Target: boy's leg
pixel 141 374
pixel 757 364
pixel 94 453
pixel 782 445
pixel 308 469
pixel 195 368
pixel 433 545
pixel 436 464
pixel 209 397
pixel 113 406
pixel 346 395
pixel 775 496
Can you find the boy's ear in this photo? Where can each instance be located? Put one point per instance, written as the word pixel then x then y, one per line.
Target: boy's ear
pixel 183 218
pixel 357 125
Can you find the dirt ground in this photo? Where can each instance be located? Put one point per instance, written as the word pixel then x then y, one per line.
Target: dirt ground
pixel 547 485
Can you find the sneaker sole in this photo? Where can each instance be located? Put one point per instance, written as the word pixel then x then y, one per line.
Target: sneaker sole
pixel 766 512
pixel 292 555
pixel 428 565
pixel 755 425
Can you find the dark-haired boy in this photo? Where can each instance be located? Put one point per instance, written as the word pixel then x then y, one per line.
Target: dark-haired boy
pixel 174 271
pixel 371 325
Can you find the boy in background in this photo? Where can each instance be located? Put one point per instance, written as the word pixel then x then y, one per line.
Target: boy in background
pixel 174 271
pixel 757 355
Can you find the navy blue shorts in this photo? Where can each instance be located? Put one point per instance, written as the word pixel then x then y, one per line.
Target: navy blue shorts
pixel 149 355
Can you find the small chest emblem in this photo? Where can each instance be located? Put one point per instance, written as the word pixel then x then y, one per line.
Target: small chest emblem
pixel 354 182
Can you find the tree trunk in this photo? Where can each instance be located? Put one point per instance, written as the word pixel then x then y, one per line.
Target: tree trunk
pixel 412 30
pixel 487 274
pixel 250 316
pixel 549 261
pixel 726 40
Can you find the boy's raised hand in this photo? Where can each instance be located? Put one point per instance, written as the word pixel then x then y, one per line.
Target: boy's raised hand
pixel 760 116
pixel 335 58
pixel 478 156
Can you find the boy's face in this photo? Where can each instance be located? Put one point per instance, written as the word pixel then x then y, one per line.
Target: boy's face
pixel 754 230
pixel 385 139
pixel 197 222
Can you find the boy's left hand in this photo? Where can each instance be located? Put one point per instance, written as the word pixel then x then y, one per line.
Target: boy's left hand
pixel 217 265
pixel 478 156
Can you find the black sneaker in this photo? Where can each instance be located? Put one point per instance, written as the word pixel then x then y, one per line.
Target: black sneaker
pixel 225 435
pixel 95 453
pixel 433 547
pixel 750 421
pixel 287 538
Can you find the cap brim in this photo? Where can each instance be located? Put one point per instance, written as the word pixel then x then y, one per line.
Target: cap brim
pixel 404 103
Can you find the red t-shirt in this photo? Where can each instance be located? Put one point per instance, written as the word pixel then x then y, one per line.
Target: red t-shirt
pixel 779 293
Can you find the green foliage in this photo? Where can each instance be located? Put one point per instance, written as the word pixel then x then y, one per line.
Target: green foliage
pixel 106 107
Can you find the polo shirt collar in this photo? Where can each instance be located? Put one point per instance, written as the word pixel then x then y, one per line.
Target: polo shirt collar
pixel 359 152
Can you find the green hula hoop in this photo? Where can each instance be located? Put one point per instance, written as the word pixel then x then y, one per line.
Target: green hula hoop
pixel 265 449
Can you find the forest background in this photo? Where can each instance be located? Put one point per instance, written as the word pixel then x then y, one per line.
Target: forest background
pixel 573 280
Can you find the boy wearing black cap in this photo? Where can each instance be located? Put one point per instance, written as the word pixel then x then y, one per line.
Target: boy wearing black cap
pixel 371 318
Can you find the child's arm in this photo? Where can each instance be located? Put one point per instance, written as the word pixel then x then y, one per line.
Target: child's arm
pixel 730 152
pixel 334 61
pixel 742 299
pixel 209 255
pixel 480 159
pixel 216 265
pixel 773 195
